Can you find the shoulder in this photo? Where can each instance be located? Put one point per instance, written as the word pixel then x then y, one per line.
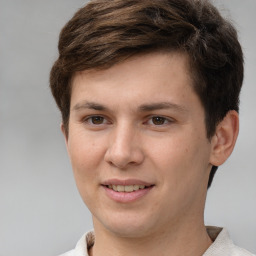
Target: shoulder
pixel 223 245
pixel 70 253
pixel 82 246
pixel 237 251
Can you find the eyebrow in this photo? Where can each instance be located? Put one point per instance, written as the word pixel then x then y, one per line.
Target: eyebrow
pixel 89 105
pixel 162 105
pixel 142 108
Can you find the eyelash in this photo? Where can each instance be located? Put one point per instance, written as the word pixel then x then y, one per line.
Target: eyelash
pixel 89 120
pixel 163 120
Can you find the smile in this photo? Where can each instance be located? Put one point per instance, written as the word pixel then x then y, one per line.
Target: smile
pixel 129 188
pixel 126 191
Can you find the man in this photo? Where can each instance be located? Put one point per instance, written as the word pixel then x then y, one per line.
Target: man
pixel 149 93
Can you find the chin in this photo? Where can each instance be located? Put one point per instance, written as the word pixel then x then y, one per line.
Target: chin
pixel 126 226
pixel 127 231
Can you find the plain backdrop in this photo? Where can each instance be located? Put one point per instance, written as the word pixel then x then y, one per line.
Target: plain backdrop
pixel 41 212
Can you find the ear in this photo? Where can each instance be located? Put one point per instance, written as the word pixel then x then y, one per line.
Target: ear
pixel 224 139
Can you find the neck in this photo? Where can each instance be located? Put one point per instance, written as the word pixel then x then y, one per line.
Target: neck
pixel 186 240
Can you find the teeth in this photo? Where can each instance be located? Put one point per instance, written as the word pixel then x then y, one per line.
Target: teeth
pixel 130 188
pixel 120 188
pixel 136 187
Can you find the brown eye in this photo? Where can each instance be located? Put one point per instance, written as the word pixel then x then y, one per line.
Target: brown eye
pixel 158 120
pixel 97 120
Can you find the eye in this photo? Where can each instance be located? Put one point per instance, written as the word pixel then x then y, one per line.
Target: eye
pixel 96 120
pixel 159 120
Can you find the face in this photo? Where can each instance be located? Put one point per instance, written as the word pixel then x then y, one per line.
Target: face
pixel 137 144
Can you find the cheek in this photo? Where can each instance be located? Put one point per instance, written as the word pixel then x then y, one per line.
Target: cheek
pixel 183 159
pixel 184 174
pixel 85 156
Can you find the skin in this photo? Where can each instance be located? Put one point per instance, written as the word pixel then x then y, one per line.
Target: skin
pixel 141 119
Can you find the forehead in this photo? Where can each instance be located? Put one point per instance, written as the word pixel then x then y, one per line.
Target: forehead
pixel 154 65
pixel 155 77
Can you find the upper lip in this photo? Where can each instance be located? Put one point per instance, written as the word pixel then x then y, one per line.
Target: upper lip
pixel 126 182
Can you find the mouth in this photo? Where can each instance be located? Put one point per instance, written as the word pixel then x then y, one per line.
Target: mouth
pixel 127 188
pixel 126 191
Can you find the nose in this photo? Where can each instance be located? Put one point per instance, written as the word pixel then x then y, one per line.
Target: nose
pixel 124 147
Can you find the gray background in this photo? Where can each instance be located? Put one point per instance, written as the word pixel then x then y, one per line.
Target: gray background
pixel 41 212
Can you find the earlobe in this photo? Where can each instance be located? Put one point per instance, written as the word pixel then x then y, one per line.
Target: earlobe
pixel 224 139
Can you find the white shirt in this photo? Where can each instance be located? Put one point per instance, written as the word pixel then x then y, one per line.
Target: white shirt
pixel 222 245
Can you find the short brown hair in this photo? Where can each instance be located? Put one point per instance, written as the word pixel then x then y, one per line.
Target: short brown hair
pixel 106 32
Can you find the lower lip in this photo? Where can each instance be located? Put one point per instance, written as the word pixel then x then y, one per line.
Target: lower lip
pixel 126 197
